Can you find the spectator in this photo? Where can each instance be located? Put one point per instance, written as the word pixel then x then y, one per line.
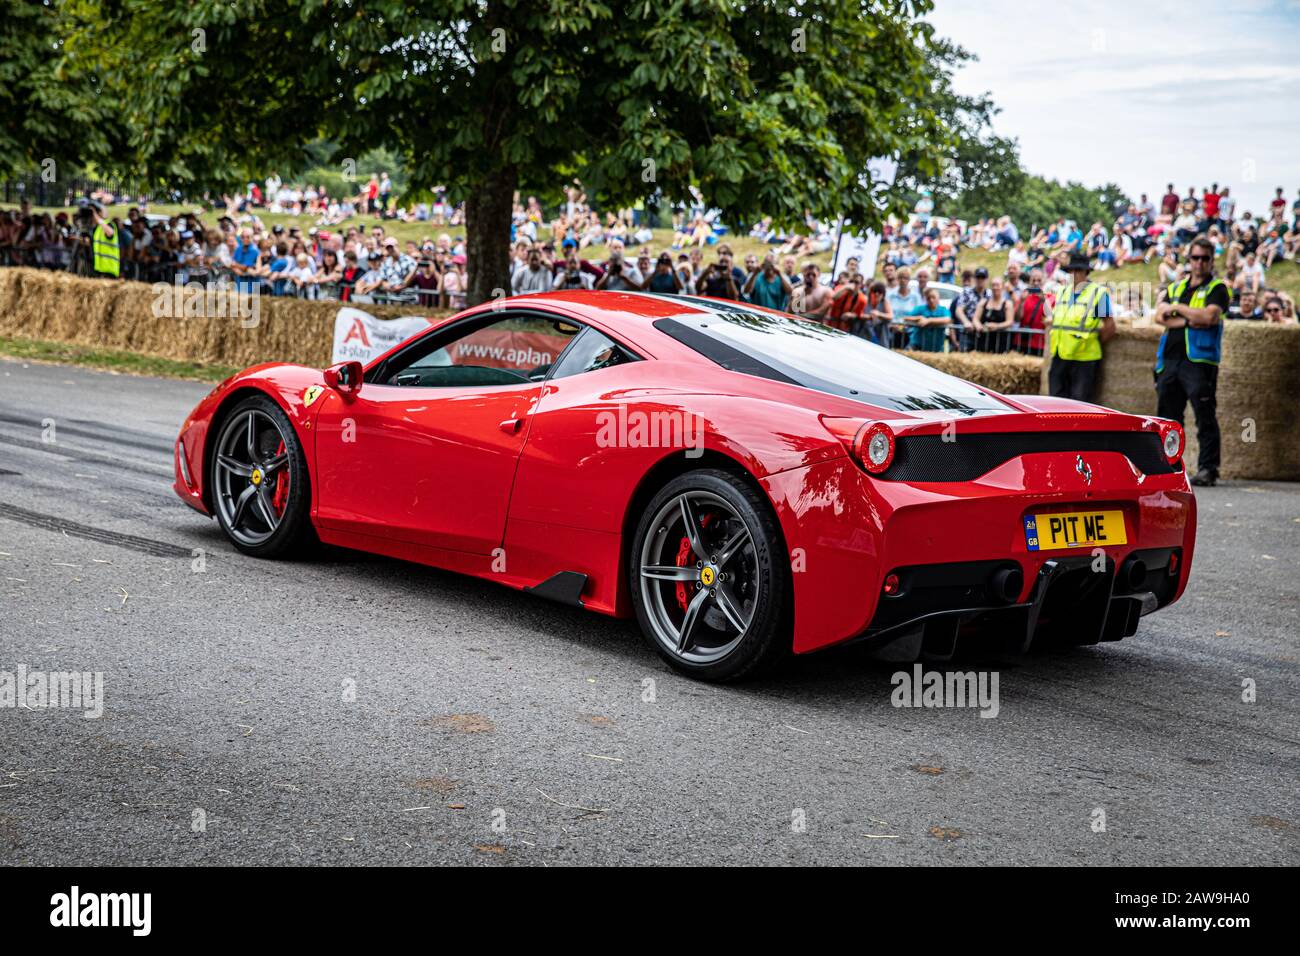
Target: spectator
pixel 1030 315
pixel 902 298
pixel 686 274
pixel 327 276
pixel 1277 207
pixel 878 318
pixel 1247 307
pixel 1275 312
pixel 620 275
pixel 533 277
pixel 569 274
pixel 455 283
pixel 848 304
pixel 966 305
pixel 1227 206
pixel 371 281
pixel 929 324
pixel 665 279
pixel 302 277
pixel 993 316
pixel 768 287
pixel 1250 275
pixel 245 262
pixel 396 268
pixel 426 281
pixel 1169 203
pixel 718 279
pixel 278 268
pixel 812 299
pixel 349 276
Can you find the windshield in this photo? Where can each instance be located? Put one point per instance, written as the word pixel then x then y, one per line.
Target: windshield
pixel 828 360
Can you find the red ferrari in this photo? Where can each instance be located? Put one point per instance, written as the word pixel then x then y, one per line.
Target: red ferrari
pixel 746 483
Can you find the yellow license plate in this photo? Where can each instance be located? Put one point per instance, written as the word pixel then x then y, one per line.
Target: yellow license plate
pixel 1074 529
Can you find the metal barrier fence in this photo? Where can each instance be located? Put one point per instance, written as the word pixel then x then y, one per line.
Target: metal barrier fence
pixel 34 189
pixel 899 334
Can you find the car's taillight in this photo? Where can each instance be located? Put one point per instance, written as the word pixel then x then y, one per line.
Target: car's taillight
pixel 873 447
pixel 869 444
pixel 1171 440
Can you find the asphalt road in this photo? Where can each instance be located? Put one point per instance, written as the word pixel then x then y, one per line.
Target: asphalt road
pixel 351 710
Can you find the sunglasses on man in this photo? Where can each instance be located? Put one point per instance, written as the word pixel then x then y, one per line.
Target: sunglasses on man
pixel 1200 258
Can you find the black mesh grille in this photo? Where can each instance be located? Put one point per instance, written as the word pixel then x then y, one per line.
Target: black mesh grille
pixel 930 458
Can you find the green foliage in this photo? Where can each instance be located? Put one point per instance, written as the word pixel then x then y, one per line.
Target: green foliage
pixel 45 114
pixel 1039 202
pixel 766 107
pixel 343 181
pixel 982 176
pixel 208 93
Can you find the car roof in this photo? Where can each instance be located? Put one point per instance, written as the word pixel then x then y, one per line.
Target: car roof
pixel 631 315
pixel 617 306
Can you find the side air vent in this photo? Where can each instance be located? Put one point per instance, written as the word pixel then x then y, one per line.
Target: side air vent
pixel 930 458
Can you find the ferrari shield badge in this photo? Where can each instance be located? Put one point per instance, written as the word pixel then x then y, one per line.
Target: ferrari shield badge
pixel 310 396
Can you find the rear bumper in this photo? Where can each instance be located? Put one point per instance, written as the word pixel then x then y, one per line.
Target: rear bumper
pixel 846 532
pixel 1074 599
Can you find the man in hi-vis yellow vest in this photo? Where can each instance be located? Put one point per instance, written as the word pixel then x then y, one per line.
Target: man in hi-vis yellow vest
pixel 1080 323
pixel 106 257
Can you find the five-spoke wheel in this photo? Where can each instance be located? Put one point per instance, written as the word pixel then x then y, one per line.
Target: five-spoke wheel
pixel 257 469
pixel 709 587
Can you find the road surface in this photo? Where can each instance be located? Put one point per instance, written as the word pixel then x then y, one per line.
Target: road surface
pixel 353 710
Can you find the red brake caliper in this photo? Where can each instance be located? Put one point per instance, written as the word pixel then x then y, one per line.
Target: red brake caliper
pixel 684 559
pixel 281 496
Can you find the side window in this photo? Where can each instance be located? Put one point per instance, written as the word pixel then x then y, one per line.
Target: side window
pixel 498 349
pixel 593 350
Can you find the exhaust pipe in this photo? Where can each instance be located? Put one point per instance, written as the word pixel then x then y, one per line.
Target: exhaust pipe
pixel 1006 584
pixel 1133 573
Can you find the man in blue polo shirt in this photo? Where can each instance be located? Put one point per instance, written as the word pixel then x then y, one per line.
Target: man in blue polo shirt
pixel 928 324
pixel 244 262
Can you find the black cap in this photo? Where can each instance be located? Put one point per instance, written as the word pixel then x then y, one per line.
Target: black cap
pixel 277 229
pixel 981 273
pixel 1079 260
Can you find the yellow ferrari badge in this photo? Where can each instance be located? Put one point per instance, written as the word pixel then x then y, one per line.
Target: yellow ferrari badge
pixel 311 395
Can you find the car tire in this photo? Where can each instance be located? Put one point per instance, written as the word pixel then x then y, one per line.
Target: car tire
pixel 261 491
pixel 693 594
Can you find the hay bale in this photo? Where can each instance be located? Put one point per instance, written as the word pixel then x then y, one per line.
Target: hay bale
pixel 1008 373
pixel 1261 364
pixel 1257 387
pixel 138 317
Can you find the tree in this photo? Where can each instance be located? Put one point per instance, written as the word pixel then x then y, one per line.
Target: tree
pixel 768 108
pixel 981 171
pixel 45 115
pixel 982 176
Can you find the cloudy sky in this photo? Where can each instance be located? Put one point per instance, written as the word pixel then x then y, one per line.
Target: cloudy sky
pixel 1144 91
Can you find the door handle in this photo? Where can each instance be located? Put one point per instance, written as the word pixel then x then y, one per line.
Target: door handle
pixel 511 425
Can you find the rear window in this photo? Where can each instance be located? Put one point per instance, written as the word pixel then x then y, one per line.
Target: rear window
pixel 809 354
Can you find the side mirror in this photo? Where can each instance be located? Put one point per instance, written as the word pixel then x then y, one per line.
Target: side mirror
pixel 344 378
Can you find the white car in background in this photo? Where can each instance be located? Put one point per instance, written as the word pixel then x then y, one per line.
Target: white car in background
pixel 947 292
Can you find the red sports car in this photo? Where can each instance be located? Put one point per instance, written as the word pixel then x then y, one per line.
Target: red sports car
pixel 746 483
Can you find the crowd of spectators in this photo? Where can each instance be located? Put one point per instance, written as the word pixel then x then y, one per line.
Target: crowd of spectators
pixel 923 299
pixel 356 263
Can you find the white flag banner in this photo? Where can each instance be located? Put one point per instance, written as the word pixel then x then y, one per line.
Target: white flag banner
pixel 863 246
pixel 359 336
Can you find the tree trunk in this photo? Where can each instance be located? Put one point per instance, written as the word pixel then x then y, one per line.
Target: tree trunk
pixel 487 235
